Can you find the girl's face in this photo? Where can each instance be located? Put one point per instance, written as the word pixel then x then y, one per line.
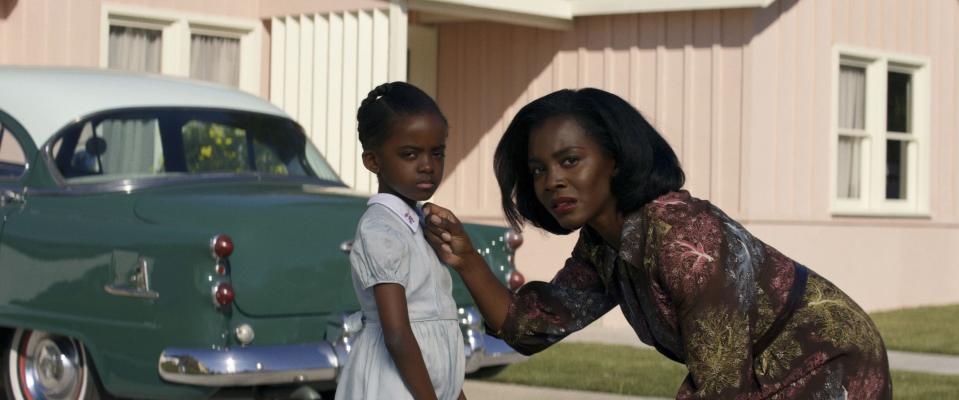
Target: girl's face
pixel 409 163
pixel 571 173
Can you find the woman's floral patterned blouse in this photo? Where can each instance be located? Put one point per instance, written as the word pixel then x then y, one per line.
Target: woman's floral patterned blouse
pixel 701 289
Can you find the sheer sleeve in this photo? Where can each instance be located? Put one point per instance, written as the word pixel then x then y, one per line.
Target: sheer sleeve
pixel 382 255
pixel 544 313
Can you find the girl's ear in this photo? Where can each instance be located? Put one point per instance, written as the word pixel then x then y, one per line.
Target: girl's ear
pixel 370 162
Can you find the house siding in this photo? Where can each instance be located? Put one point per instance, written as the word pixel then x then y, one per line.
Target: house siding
pixel 743 96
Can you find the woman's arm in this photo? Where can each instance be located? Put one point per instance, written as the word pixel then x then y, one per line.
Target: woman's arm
pixel 453 247
pixel 538 314
pixel 400 342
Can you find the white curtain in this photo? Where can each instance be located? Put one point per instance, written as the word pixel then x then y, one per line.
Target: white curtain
pixel 852 115
pixel 133 147
pixel 135 49
pixel 215 59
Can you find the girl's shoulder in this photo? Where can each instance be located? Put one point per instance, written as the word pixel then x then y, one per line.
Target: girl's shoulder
pixel 380 218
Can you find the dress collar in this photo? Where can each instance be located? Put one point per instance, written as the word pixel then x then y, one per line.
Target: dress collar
pixel 410 216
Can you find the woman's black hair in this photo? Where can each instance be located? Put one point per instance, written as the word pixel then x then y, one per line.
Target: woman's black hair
pixel 385 104
pixel 646 166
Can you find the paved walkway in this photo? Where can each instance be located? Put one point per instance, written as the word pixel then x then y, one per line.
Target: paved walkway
pixel 479 390
pixel 920 362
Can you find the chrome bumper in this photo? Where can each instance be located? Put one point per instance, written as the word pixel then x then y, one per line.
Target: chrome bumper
pixel 483 350
pixel 493 352
pixel 310 362
pixel 250 366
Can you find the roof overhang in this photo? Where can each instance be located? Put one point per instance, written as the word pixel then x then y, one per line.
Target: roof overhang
pixel 603 7
pixel 549 14
pixel 559 14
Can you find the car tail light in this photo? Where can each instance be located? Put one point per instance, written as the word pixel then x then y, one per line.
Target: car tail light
pixel 222 268
pixel 514 239
pixel 221 245
pixel 515 280
pixel 223 294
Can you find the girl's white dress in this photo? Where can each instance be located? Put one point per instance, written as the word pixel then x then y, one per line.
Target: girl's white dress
pixel 390 248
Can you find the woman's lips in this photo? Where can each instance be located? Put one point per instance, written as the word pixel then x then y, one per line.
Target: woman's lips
pixel 564 205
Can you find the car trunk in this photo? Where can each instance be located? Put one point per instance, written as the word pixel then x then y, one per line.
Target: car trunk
pixel 288 239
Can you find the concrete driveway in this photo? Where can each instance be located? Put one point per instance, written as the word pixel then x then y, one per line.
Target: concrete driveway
pixel 480 390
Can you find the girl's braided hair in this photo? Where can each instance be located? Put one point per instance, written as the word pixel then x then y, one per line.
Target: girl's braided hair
pixel 385 104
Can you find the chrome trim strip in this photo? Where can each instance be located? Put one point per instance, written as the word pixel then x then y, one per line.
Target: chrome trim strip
pixel 249 366
pixel 141 280
pixel 132 185
pixel 131 292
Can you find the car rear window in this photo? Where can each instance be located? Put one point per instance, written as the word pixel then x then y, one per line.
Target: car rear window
pixel 145 143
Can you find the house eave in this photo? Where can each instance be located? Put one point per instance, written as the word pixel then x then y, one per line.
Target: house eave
pixel 559 14
pixel 607 7
pixel 549 14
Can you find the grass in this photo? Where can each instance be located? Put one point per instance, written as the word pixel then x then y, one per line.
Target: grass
pixel 914 385
pixel 923 329
pixel 644 372
pixel 598 368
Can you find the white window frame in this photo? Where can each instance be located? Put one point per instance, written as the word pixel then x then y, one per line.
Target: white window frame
pixel 177 29
pixel 872 194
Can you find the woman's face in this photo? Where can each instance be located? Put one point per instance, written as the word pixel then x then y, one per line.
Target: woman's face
pixel 571 173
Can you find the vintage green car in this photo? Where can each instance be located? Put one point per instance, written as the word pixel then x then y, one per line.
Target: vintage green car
pixel 163 238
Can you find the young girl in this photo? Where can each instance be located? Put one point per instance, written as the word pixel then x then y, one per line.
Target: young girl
pixel 411 346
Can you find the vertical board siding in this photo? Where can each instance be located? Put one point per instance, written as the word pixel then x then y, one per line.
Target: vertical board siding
pixel 671 66
pixel 822 26
pixel 48 32
pixel 323 65
pixel 741 95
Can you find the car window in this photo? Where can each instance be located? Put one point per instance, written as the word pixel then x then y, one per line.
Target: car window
pixel 160 142
pixel 12 159
pixel 213 147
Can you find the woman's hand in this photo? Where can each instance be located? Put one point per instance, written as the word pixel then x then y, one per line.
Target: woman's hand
pixel 446 235
pixel 451 244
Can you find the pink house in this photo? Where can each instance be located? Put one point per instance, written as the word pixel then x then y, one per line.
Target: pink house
pixel 829 128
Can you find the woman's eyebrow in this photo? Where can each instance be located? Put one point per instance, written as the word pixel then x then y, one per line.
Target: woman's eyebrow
pixel 564 150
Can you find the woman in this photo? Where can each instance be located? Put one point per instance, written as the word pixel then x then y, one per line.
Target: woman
pixel 747 321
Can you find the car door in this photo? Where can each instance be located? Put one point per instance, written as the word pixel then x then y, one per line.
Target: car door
pixel 12 167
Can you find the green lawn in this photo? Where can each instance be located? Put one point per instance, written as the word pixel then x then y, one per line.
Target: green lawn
pixel 923 329
pixel 643 372
pixel 598 368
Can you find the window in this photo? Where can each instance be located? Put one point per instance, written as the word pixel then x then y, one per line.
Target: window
pixel 215 59
pixel 212 48
pixel 185 142
pixel 881 125
pixel 12 160
pixel 135 49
